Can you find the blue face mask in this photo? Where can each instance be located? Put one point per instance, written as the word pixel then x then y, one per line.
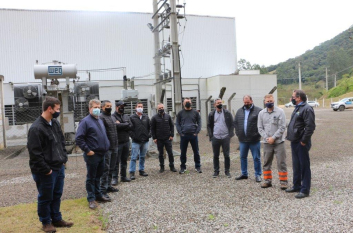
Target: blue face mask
pixel 55 114
pixel 269 105
pixel 96 112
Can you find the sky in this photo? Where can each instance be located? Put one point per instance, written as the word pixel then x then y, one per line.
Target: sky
pixel 267 32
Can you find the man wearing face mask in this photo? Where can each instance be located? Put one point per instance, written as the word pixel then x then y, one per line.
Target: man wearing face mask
pixel 162 129
pixel 272 125
pixel 188 124
pixel 111 155
pixel 245 124
pixel 300 130
pixel 220 130
pixel 140 134
pixel 91 137
pixel 123 126
pixel 47 156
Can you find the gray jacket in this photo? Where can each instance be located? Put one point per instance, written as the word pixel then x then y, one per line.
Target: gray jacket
pixel 272 124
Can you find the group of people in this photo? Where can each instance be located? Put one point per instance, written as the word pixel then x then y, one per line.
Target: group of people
pixel 104 138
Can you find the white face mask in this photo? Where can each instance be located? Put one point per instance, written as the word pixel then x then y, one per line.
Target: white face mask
pixel 139 110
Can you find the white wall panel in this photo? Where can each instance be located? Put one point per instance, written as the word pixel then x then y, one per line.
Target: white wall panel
pixel 109 39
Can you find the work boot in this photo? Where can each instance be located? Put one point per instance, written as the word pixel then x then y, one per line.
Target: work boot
pixel 173 169
pixel 104 198
pixel 132 175
pixel 92 205
pixel 284 186
pixel 63 223
pixel 266 185
pixel 48 228
pixel 161 170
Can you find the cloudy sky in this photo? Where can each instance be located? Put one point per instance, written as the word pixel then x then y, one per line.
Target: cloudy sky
pixel 267 32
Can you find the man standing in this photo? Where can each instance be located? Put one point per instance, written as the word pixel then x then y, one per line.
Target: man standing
pixel 92 138
pixel 47 156
pixel 140 134
pixel 300 129
pixel 272 125
pixel 245 124
pixel 188 124
pixel 123 126
pixel 111 155
pixel 162 129
pixel 220 130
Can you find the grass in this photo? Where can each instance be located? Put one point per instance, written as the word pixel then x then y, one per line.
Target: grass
pixel 24 218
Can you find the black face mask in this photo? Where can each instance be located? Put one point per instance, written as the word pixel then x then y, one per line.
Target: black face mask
pixel 219 106
pixel 188 105
pixel 160 111
pixel 247 106
pixel 108 110
pixel 121 110
pixel 294 102
pixel 55 114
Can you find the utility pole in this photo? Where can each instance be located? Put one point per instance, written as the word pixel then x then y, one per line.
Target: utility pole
pixel 300 78
pixel 326 80
pixel 157 58
pixel 175 58
pixel 335 79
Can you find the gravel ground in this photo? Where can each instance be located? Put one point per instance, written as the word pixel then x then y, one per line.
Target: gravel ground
pixel 194 202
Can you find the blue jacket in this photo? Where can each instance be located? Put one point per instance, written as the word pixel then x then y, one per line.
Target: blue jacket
pixel 91 135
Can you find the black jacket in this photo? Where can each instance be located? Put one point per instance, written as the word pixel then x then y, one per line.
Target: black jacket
pixel 302 124
pixel 188 122
pixel 123 127
pixel 110 128
pixel 228 119
pixel 46 146
pixel 140 131
pixel 252 134
pixel 162 126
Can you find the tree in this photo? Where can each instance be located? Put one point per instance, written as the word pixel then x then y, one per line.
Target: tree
pixel 246 65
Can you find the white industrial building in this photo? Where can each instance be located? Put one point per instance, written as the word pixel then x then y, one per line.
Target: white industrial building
pixel 102 40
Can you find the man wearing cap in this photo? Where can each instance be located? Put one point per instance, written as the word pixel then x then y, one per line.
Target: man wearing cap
pixel 123 126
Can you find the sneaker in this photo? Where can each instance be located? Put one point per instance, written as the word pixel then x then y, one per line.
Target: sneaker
pixel 228 174
pixel 143 173
pixel 258 179
pixel 48 228
pixel 132 175
pixel 198 170
pixel 63 223
pixel 266 185
pixel 182 171
pixel 215 174
pixel 284 186
pixel 114 181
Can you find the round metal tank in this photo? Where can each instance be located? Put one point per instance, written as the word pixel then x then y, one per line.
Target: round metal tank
pixel 55 71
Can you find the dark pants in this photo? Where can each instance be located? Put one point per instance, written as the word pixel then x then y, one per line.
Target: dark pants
pixel 216 146
pixel 95 168
pixel 184 141
pixel 123 155
pixel 50 189
pixel 110 158
pixel 168 146
pixel 301 166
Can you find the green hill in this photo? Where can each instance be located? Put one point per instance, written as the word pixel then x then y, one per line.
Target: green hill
pixel 335 54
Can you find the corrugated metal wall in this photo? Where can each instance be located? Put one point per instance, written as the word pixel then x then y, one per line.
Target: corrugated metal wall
pixel 109 39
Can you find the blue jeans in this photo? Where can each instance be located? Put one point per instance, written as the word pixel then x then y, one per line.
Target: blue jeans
pixel 301 166
pixel 138 149
pixel 255 151
pixel 95 168
pixel 50 189
pixel 110 158
pixel 184 141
